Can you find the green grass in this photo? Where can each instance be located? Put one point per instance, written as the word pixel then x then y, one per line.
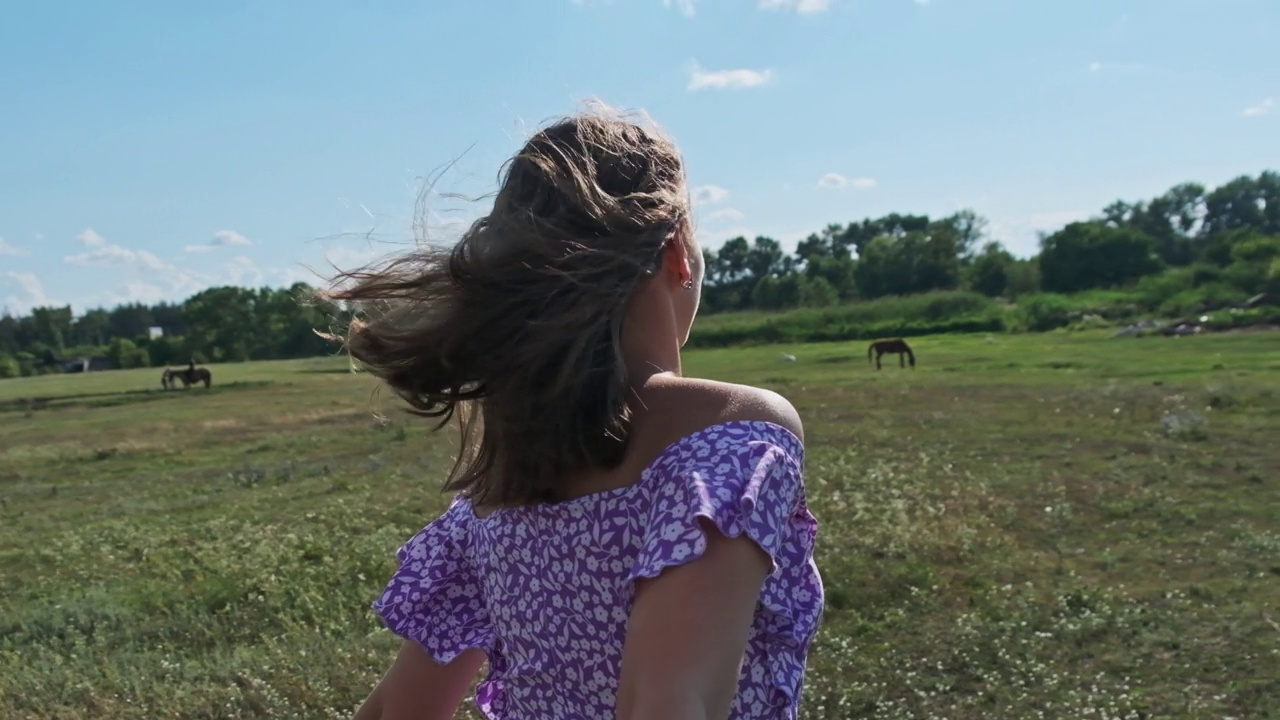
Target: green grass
pixel 1061 525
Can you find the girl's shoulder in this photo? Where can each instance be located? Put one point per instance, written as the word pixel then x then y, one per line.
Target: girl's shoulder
pixel 681 407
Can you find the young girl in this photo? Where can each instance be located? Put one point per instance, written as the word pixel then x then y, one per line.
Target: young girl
pixel 625 541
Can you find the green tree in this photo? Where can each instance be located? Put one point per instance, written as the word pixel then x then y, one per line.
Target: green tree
pixel 765 258
pixel 859 235
pixel 989 273
pixel 1236 205
pixel 817 292
pixel 52 326
pixel 130 321
pixel 220 322
pixel 962 231
pixel 913 262
pixel 838 272
pixel 9 340
pixel 1024 277
pixel 1092 254
pixel 124 354
pixel 92 328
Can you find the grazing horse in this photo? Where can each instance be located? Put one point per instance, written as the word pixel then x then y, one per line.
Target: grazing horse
pixel 896 345
pixel 188 377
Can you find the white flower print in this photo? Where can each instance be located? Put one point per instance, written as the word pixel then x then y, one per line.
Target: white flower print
pixel 546 590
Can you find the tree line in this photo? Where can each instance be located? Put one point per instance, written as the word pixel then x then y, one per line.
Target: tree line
pixel 1187 247
pixel 220 324
pixel 1229 237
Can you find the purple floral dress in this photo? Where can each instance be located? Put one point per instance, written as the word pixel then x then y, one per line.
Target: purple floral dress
pixel 545 590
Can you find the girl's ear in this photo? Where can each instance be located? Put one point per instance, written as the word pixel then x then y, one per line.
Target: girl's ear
pixel 676 262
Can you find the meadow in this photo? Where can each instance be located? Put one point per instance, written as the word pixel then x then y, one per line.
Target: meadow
pixel 1064 525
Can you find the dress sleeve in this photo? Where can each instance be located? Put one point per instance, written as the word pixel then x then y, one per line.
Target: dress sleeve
pixel 435 598
pixel 745 478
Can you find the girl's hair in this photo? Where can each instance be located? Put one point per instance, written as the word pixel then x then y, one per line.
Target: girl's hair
pixel 518 327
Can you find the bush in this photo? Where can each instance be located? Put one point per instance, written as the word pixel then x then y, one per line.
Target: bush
pixel 9 367
pixel 939 312
pixel 1024 278
pixel 124 354
pixel 817 292
pixel 1271 286
pixel 1247 276
pixel 793 291
pixel 1045 311
pixel 26 363
pixel 1156 292
pixel 1200 299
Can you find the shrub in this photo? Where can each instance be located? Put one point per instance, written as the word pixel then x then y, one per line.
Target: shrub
pixel 1045 311
pixel 939 312
pixel 9 367
pixel 1202 298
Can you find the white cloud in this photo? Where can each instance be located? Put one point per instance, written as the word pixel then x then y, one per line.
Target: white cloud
pixel 803 7
pixel 1129 68
pixel 222 238
pixel 177 282
pixel 708 194
pixel 89 238
pixel 1263 108
pixel 686 7
pixel 833 180
pixel 700 79
pixel 102 253
pixel 7 249
pixel 726 215
pixel 33 294
pixel 140 276
pixel 231 237
pixel 243 271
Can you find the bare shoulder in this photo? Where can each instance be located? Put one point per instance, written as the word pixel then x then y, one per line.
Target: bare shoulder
pixel 687 405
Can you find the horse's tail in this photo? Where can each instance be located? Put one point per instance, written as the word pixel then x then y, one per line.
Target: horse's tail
pixel 870 349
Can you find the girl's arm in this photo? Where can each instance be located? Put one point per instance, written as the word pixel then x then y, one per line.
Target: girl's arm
pixel 688 630
pixel 419 688
pixel 688 633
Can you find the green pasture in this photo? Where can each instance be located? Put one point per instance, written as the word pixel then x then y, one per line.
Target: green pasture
pixel 1064 525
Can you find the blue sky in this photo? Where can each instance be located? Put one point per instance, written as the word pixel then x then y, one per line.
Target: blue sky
pixel 152 149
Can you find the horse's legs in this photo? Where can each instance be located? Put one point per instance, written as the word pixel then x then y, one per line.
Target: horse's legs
pixel 902 361
pixel 878 354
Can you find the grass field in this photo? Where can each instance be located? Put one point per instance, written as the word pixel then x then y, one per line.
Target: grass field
pixel 1056 526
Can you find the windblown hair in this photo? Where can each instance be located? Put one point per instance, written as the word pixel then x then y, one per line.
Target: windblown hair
pixel 517 328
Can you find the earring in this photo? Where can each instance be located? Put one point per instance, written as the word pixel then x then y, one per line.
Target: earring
pixel 688 284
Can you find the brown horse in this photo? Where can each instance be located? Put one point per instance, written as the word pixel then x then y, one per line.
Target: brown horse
pixel 896 345
pixel 188 377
